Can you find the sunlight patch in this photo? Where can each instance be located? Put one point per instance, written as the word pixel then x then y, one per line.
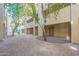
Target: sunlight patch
pixel 73 48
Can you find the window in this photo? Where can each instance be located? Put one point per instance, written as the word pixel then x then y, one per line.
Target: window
pixel 30 20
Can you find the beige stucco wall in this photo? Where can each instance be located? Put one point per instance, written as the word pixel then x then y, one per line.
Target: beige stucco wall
pixel 2 25
pixel 75 24
pixel 63 16
pixel 1 31
pixel 40 33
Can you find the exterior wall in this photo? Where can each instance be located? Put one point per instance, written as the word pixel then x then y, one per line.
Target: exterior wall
pixel 62 30
pixel 49 30
pixel 63 16
pixel 75 23
pixel 40 33
pixel 30 25
pixel 1 31
pixel 2 22
pixel 36 30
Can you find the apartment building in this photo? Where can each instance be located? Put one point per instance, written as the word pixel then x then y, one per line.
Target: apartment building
pixel 2 22
pixel 58 25
pixel 59 22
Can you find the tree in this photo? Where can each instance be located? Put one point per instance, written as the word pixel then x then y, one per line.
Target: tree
pixel 30 10
pixel 15 11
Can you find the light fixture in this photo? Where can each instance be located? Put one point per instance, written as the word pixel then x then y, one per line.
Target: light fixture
pixel 71 22
pixel 67 37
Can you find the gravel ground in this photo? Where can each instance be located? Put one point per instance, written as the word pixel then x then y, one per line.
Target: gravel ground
pixel 28 45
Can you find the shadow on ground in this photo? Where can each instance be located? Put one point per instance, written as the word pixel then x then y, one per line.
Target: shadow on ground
pixel 54 39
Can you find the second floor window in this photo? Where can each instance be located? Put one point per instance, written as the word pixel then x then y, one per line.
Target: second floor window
pixel 30 20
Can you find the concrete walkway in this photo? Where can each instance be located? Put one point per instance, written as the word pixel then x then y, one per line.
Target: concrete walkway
pixel 57 40
pixel 28 45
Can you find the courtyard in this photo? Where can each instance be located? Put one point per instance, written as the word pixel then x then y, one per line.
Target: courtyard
pixel 28 45
pixel 42 29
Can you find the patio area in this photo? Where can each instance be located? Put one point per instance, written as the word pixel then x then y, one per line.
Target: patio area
pixel 28 45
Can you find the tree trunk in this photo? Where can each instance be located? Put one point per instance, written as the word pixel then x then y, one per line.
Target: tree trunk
pixel 13 32
pixel 44 36
pixel 14 29
pixel 43 29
